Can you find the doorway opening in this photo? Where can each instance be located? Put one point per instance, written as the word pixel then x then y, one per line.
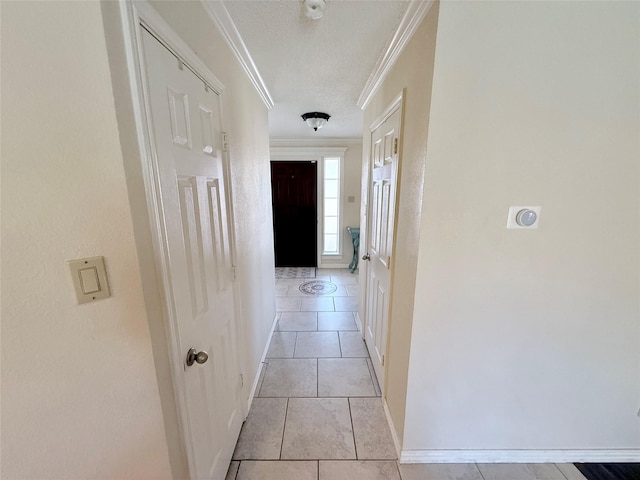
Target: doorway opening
pixel 295 213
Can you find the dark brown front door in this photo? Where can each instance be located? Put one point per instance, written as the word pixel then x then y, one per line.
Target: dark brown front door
pixel 294 193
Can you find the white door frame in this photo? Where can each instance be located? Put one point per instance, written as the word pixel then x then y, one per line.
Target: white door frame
pixel 315 154
pixel 396 104
pixel 133 14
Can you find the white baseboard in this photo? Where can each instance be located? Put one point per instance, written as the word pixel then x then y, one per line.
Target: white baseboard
pixel 333 265
pixel 394 434
pixel 254 387
pixel 518 456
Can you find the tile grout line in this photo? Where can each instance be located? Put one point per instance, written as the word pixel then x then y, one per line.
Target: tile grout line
pixel 332 397
pixel 329 459
pixel 479 472
pixel 295 345
pixel 373 381
pixel 561 472
pixel 284 426
pixel 353 431
pixel 397 462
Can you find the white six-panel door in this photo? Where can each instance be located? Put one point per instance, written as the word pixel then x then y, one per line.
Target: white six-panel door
pixel 185 118
pixel 381 214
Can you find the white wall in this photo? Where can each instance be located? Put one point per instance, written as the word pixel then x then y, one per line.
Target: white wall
pixel 530 339
pixel 80 398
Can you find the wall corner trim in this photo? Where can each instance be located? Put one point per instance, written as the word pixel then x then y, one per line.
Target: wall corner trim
pixel 222 19
pixel 519 456
pixel 413 16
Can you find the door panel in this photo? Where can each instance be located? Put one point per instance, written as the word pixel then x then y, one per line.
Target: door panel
pixel 192 233
pixel 381 216
pixel 295 217
pixel 185 119
pixel 220 236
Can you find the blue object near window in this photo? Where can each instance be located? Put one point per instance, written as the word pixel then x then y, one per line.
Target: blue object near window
pixel 355 237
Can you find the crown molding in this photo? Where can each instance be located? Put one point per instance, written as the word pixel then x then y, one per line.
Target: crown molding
pixel 314 141
pixel 304 153
pixel 221 18
pixel 413 16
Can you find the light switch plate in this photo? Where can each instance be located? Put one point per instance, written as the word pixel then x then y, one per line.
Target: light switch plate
pixel 89 278
pixel 512 222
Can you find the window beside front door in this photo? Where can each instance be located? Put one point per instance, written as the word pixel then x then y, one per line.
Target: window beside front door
pixel 331 214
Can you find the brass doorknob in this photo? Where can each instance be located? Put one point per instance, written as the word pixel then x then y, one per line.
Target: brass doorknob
pixel 198 357
pixel 366 257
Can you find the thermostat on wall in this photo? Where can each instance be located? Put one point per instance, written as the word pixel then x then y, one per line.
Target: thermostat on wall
pixel 523 217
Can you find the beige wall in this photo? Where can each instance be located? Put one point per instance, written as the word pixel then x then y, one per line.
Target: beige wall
pixel 529 339
pixel 79 392
pixel 246 122
pixel 412 72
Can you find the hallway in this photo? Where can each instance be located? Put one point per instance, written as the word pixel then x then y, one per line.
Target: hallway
pixel 317 404
pixel 317 413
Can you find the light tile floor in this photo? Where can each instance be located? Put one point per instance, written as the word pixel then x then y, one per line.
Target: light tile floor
pixel 318 415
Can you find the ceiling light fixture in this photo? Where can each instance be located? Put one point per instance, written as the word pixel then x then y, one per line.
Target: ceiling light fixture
pixel 314 9
pixel 315 120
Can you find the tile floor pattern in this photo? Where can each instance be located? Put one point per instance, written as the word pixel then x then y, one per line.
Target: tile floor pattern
pixel 318 414
pixel 295 272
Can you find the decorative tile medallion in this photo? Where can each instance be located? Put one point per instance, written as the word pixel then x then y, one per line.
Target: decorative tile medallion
pixel 318 287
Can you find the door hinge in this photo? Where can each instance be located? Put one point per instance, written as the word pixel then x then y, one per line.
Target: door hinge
pixel 241 380
pixel 383 360
pixel 233 273
pixel 388 263
pixel 225 142
pixel 395 146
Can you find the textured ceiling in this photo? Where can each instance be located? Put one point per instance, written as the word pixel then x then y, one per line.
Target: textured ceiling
pixel 316 65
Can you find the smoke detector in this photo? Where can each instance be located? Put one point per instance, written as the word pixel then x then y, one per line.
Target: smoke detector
pixel 314 9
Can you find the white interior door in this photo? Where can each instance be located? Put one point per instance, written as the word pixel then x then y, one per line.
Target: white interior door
pixel 381 213
pixel 185 117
